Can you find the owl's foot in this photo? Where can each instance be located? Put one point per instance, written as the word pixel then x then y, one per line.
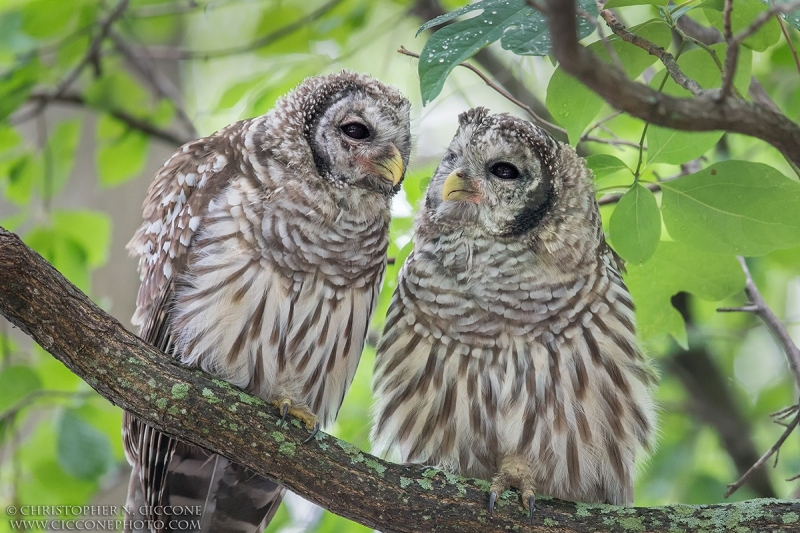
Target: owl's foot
pixel 300 412
pixel 514 473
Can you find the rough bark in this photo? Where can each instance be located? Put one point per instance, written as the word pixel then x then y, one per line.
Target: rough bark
pixel 193 406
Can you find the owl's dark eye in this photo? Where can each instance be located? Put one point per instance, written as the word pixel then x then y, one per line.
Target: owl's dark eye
pixel 505 171
pixel 354 130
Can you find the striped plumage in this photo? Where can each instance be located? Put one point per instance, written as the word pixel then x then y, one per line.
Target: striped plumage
pixel 262 253
pixel 509 350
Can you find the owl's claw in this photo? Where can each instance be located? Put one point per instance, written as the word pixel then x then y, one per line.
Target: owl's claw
pixel 514 472
pixel 300 412
pixel 313 432
pixel 531 503
pixel 492 500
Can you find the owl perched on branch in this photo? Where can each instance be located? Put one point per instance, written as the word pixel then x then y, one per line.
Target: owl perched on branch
pixel 261 255
pixel 509 351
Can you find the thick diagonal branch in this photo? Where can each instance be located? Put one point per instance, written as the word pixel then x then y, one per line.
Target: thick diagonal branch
pixel 192 406
pixel 702 113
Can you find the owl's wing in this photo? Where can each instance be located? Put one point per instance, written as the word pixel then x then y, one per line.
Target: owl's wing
pixel 167 471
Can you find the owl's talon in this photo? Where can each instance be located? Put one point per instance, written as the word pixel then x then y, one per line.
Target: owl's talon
pixel 300 412
pixel 531 504
pixel 313 432
pixel 492 500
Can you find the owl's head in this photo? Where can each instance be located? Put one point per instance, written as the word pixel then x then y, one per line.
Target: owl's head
pixel 356 128
pixel 503 177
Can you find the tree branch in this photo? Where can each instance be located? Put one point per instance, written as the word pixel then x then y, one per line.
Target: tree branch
pixel 702 113
pixel 190 405
pixel 131 120
pixel 91 56
pixel 169 52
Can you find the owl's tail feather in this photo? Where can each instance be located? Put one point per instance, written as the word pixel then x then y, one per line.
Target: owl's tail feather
pixel 205 493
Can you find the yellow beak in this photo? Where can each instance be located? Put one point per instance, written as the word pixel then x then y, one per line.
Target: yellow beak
pixel 391 168
pixel 457 187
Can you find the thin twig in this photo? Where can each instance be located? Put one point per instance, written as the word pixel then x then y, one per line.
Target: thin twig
pixel 733 487
pixel 788 40
pixel 88 58
pixel 731 52
pixel 505 94
pixel 169 52
pixel 162 86
pixel 670 63
pixel 132 121
pixel 773 323
pixel 764 17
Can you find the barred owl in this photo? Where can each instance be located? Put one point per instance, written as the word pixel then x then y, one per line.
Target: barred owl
pixel 509 351
pixel 261 255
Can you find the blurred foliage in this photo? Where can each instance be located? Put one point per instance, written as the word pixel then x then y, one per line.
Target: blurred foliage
pixel 60 443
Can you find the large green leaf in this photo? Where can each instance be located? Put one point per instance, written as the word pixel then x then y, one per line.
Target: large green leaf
pixel 91 230
pixel 734 207
pixel 635 225
pixel 61 146
pixel 121 152
pixel 672 269
pixel 743 14
pixel 520 29
pixel 43 18
pixel 16 85
pixel 66 255
pixel 624 3
pixel 573 105
pixel 16 382
pixel 83 451
pixel 665 145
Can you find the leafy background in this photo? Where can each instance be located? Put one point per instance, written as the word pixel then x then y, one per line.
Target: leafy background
pixel 76 158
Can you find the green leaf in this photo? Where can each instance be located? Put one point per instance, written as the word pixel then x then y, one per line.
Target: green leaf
pixel 237 91
pixel 44 18
pixel 16 382
pixel 67 256
pixel 743 14
pixel 60 156
pixel 274 20
pixel 91 230
pixel 635 225
pixel 672 269
pixel 44 477
pixel 83 451
pixel 16 85
pixel 603 165
pixel 117 91
pixel 735 207
pixel 665 145
pixel 573 105
pixel 122 152
pixel 624 3
pixel 519 27
pixel 23 173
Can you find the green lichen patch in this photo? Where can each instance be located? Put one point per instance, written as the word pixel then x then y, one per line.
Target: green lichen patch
pixel 151 383
pixel 180 391
pixel 790 518
pixel 208 394
pixel 632 523
pixel 405 482
pixel 125 383
pixel 287 448
pixel 376 466
pixel 425 484
pixel 221 383
pixel 249 400
pixel 430 473
pixel 582 510
pixel 277 436
pixel 323 446
pixel 173 410
pixel 234 426
pixel 232 408
pixel 161 403
pixel 549 522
